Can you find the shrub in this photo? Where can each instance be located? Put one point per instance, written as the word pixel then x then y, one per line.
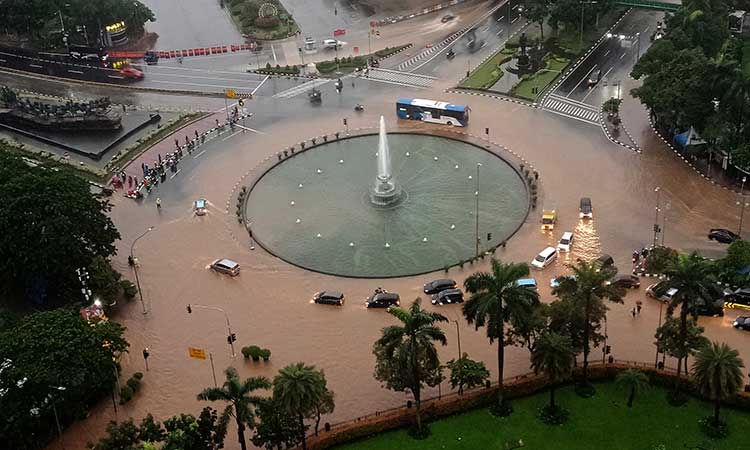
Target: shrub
pixel 138 376
pixel 265 354
pixel 267 22
pixel 253 351
pixel 128 289
pixel 134 384
pixel 553 416
pixel 126 394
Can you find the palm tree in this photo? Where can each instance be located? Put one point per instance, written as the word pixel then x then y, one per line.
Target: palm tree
pixel 553 355
pixel 299 389
pixel 406 357
pixel 495 299
pixel 693 277
pixel 585 290
pixel 237 393
pixel 717 372
pixel 634 381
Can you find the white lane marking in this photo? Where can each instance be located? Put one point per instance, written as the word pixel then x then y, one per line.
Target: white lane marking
pixel 610 70
pixel 581 81
pixel 499 32
pixel 261 84
pixel 157 69
pixel 501 18
pixel 514 20
pixel 175 174
pixel 199 154
pixel 232 135
pixel 623 55
pixel 647 28
pixel 274 54
pixel 591 91
pixel 75 71
pixel 35 66
pixel 249 129
pixel 607 53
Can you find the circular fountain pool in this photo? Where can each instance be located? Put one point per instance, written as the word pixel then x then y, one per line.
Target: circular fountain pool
pixel 315 210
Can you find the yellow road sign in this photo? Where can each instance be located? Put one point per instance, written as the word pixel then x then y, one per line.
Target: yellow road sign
pixel 197 353
pixel 229 93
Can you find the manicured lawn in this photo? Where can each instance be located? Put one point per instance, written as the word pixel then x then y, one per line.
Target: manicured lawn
pixel 602 422
pixel 540 80
pixel 487 74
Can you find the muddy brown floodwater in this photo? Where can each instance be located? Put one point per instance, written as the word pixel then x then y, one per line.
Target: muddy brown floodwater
pixel 269 303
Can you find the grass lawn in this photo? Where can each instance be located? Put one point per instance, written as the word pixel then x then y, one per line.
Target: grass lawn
pixel 602 422
pixel 487 74
pixel 540 80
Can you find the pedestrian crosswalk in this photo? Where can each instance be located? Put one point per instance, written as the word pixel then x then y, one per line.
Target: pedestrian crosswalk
pixel 400 78
pixel 429 51
pixel 302 88
pixel 572 108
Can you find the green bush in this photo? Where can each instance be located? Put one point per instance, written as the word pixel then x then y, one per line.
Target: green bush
pixel 138 376
pixel 128 289
pixel 252 351
pixel 265 354
pixel 134 384
pixel 267 22
pixel 126 394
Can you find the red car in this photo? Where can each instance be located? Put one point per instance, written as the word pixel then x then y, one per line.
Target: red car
pixel 131 73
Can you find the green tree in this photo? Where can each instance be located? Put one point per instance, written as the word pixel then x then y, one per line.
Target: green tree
pixel 537 11
pixel 467 373
pixel 325 405
pixel 496 299
pixel 54 357
pixel 694 278
pixel 633 381
pixel 717 371
pixel 300 390
pixel 52 225
pixel 129 436
pixel 660 259
pixel 185 432
pixel 737 258
pixel 239 395
pixel 553 355
pixel 405 354
pixel 585 291
pixel 277 429
pixel 668 340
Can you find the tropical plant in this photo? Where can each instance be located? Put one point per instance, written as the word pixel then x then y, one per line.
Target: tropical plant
pixel 406 357
pixel 299 389
pixel 717 372
pixel 467 373
pixel 496 299
pixel 552 355
pixel 585 291
pixel 633 381
pixel 277 428
pixel 239 395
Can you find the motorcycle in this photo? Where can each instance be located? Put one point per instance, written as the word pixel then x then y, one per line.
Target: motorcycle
pixel 451 54
pixel 359 107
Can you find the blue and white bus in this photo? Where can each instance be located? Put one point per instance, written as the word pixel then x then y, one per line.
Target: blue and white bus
pixel 432 111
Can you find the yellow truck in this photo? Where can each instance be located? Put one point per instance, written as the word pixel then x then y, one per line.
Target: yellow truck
pixel 549 217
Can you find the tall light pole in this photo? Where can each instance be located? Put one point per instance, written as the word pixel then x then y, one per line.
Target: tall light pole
pixel 476 195
pixel 583 4
pixel 135 267
pixel 656 360
pixel 637 46
pixel 458 338
pixel 742 202
pixel 656 217
pixel 230 337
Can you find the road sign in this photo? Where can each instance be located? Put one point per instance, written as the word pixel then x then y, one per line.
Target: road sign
pixel 197 353
pixel 229 93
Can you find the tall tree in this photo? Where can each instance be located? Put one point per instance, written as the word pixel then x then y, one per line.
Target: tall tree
pixel 185 432
pixel 585 290
pixel 277 429
pixel 405 354
pixel 496 299
pixel 633 381
pixel 241 398
pixel 694 278
pixel 300 389
pixel 717 372
pixel 537 11
pixel 552 355
pixel 670 340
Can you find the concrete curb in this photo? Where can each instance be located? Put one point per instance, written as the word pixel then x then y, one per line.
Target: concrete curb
pixel 605 130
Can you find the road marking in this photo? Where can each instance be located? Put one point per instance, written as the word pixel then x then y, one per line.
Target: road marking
pixel 202 78
pixel 222 86
pixel 484 29
pixel 232 135
pixel 501 18
pixel 274 54
pixel 249 129
pixel 647 28
pixel 199 154
pixel 581 81
pixel 499 32
pixel 610 70
pixel 156 70
pixel 607 53
pixel 175 174
pixel 37 66
pixel 590 91
pixel 75 71
pixel 261 84
pixel 514 20
pixel 623 55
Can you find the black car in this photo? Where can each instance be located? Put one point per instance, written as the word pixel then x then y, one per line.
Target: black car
pixel 722 235
pixel 739 298
pixel 433 287
pixel 447 18
pixel 329 298
pixel 383 300
pixel 594 77
pixel 448 296
pixel 715 308
pixel 626 281
pixel 742 323
pixel 585 210
pixel 605 263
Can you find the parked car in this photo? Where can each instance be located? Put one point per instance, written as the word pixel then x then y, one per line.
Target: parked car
pixel 544 258
pixel 226 266
pixel 626 280
pixel 742 323
pixel 565 242
pixel 435 286
pixel 383 299
pixel 585 210
pixel 722 235
pixel 527 283
pixel 151 58
pixel 739 298
pixel 200 207
pixel 605 262
pixel 329 298
pixel 131 73
pixel 448 296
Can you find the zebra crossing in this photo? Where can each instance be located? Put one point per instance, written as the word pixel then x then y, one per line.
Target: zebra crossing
pixel 400 78
pixel 429 51
pixel 302 88
pixel 574 109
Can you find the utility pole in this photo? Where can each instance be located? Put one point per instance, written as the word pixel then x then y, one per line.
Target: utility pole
pixel 135 267
pixel 656 217
pixel 458 338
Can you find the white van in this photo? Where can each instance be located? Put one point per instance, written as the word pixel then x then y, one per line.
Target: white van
pixel 331 43
pixel 565 242
pixel 544 258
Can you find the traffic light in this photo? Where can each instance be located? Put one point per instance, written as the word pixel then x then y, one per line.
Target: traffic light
pixel 487 131
pixel 190 310
pixel 345 121
pixel 241 103
pixel 607 349
pixel 489 236
pixel 231 338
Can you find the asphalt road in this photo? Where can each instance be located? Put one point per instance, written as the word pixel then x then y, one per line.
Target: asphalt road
pixel 191 23
pixel 615 58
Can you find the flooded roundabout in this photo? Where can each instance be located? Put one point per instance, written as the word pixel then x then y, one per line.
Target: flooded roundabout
pixel 386 205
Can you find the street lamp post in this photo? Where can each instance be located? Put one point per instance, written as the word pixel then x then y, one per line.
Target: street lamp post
pixel 458 338
pixel 476 228
pixel 230 337
pixel 656 360
pixel 135 267
pixel 656 217
pixel 743 204
pixel 637 46
pixel 583 4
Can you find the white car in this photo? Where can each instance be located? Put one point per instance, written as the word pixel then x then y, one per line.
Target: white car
pixel 544 258
pixel 565 242
pixel 331 43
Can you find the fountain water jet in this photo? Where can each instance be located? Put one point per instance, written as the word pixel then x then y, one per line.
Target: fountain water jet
pixel 385 191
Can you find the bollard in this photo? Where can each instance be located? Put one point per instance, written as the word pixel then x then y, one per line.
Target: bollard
pixel 325 138
pixel 286 154
pixel 313 141
pixel 302 145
